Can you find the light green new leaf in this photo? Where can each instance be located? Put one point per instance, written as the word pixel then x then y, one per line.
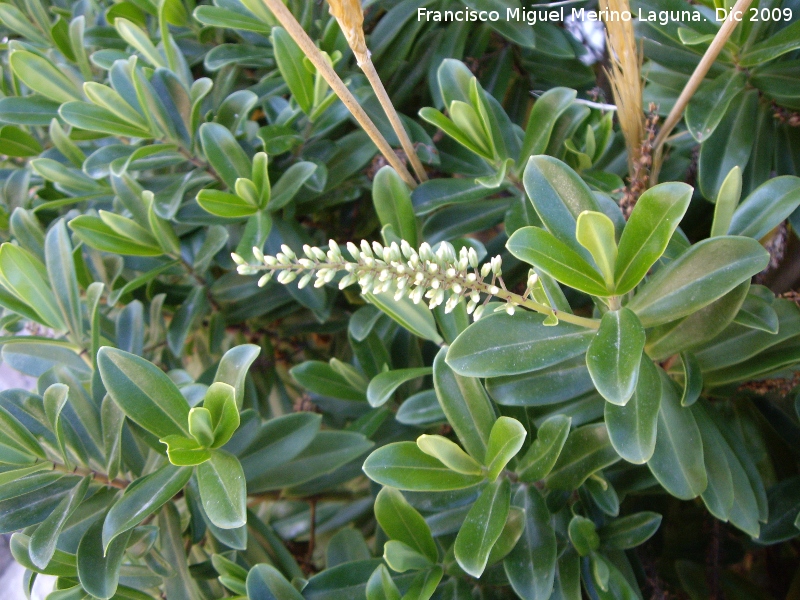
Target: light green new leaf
pixel 101 236
pixel 200 426
pixel 466 405
pixel 404 466
pixel 595 232
pixel 233 367
pixel 544 251
pixel 586 451
pixel 380 585
pixel 96 118
pixel 583 535
pixel 98 564
pixel 384 385
pixel 401 557
pixel 502 344
pixel 727 200
pixel 220 402
pixel 222 490
pixel 42 76
pixel 185 451
pixel 144 392
pixel 505 440
pixel 223 204
pixel 450 453
pixel 482 527
pixel 393 204
pixel 650 227
pixel 24 276
pixel 677 462
pixel 706 271
pixel 401 521
pixel 545 449
pixel 614 355
pixel 43 540
pixel 632 427
pixel 142 498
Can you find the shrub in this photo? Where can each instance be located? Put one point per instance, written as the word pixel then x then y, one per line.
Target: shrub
pixel 270 363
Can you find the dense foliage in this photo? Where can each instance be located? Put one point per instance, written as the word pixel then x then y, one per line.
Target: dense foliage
pixel 510 388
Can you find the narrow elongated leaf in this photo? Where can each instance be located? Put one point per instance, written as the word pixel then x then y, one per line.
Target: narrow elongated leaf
pixel 222 490
pixel 97 234
pixel 381 586
pixel 502 344
pixel 531 565
pixel 692 379
pixel 42 76
pixel 233 367
pixel 630 531
pixel 466 406
pixel 142 498
pixel 505 440
pixel 321 378
pixel 286 188
pixel 632 427
pixel 542 121
pixel 614 355
pixel 545 450
pixel 382 386
pixel 290 62
pixel 224 153
pixel 96 118
pixel 595 232
pixel 544 251
pixel 98 566
pixel 705 272
pixel 449 453
pixel 766 207
pixel 402 558
pixel 482 527
pixel 417 318
pixel 224 204
pixel 651 225
pixel 43 540
pixel 710 102
pixel 404 466
pixel 586 451
pixel 144 392
pixel 677 462
pixel 727 199
pixel 401 521
pixel 719 493
pixel 393 204
pixel 23 275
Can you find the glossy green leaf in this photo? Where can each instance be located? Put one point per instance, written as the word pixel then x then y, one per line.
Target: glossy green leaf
pixel 466 405
pixel 96 118
pixel 692 379
pixel 393 204
pixel 583 535
pixel 24 276
pixel 614 355
pixel 540 458
pixel 417 318
pixel 380 585
pixel 289 184
pixel 502 344
pixel 702 274
pixel 632 427
pixel 289 58
pixel 384 385
pixel 142 498
pixel 630 531
pixel 99 565
pixel 220 401
pixel 101 236
pixel 595 232
pixel 709 104
pixel 146 395
pixel 42 76
pixel 650 227
pixel 587 450
pixel 265 582
pixel 766 207
pixel 726 202
pixel 404 466
pixel 400 521
pixel 450 454
pixel 545 251
pixel 233 367
pixel 482 527
pixel 18 143
pixel 43 541
pixel 505 441
pixel 562 381
pixel 185 451
pixel 542 121
pixel 401 557
pixel 222 490
pixel 224 204
pixel 677 462
pixel 321 378
pixel 224 153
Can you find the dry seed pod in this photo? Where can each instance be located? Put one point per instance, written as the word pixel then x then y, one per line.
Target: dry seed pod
pixel 351 19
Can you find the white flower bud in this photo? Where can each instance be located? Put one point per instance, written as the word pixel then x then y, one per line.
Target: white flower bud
pixel 334 247
pixel 353 250
pixel 365 249
pixel 258 254
pixel 307 251
pixel 270 261
pixel 348 279
pixel 288 251
pixel 486 269
pixel 304 280
pixel 478 312
pixel 285 277
pixel 237 259
pixel 494 290
pixel 264 279
pixel 473 258
pixel 510 309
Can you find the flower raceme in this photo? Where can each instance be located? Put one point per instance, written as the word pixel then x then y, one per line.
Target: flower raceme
pixel 442 276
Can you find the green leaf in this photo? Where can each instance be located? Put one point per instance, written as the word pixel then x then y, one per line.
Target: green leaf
pixel 563 381
pixel 28 110
pixel 502 344
pixel 63 564
pixel 778 44
pixel 595 232
pixel 709 104
pixel 542 120
pixel 727 199
pixel 545 449
pixel 144 392
pixel 18 143
pixel 61 271
pixel 614 355
pixel 692 378
pixel 630 531
pixel 424 585
pixel 632 427
pixel 583 535
pixel 233 367
pixel 222 490
pixel 223 204
pixel 586 451
pixel 436 193
pixel 220 402
pixel 544 251
pixel 677 462
pixel 401 557
pixel 450 454
pixel 482 527
pixel 99 565
pixel 417 318
pixel 286 188
pixel 393 204
pixel 43 540
pixel 112 101
pixel 559 195
pixel 719 493
pixel 322 379
pixel 200 426
pixel 185 451
pixel 705 272
pixel 766 207
pixel 404 466
pixel 265 582
pixel 650 227
pixel 15 434
pixel 437 119
pixel 401 521
pixel 465 404
pixel 289 58
pixel 380 585
pixel 505 440
pixel 140 41
pixel 224 154
pixel 95 118
pixel 384 385
pixel 531 565
pixel 24 276
pixel 142 498
pixel 101 236
pixel 42 76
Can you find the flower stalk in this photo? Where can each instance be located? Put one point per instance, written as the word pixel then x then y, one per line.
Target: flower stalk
pixel 441 277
